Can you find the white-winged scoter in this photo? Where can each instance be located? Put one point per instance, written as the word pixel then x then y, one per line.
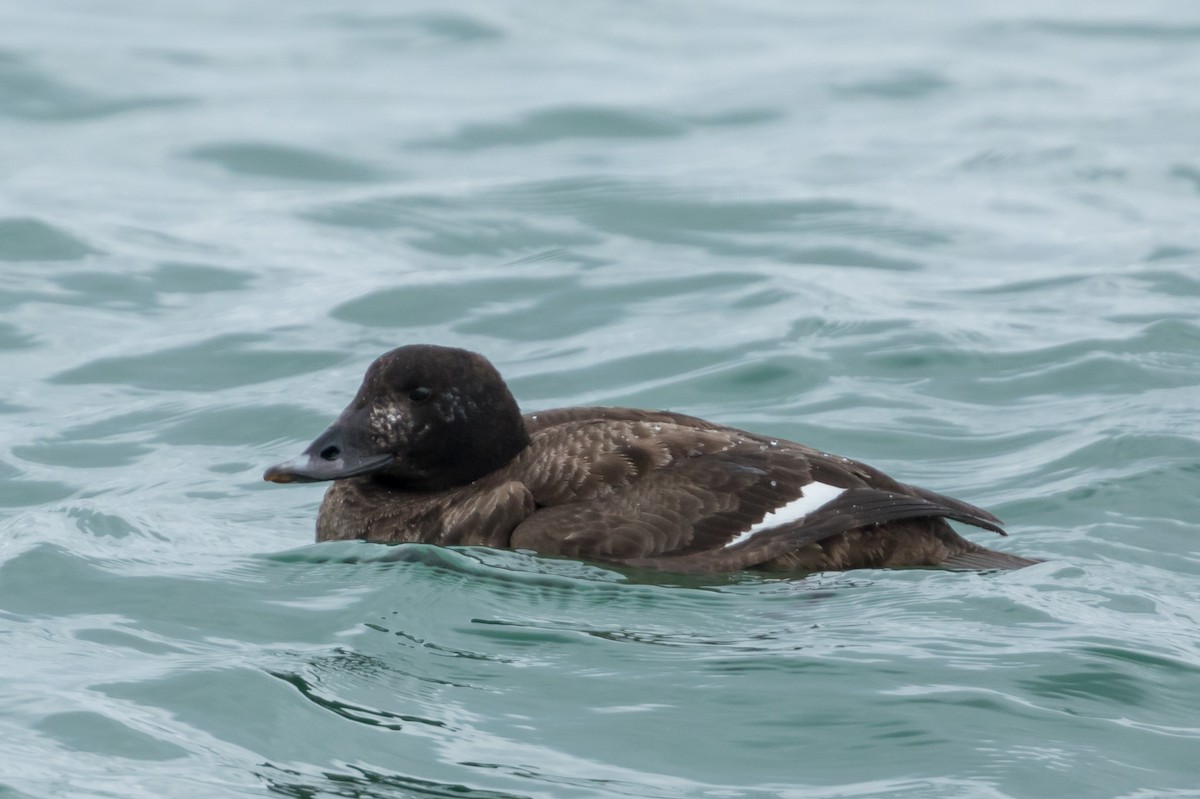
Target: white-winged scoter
pixel 434 449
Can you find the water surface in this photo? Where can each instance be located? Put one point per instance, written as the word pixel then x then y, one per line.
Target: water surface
pixel 958 243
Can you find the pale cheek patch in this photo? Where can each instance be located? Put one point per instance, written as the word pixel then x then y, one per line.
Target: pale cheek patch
pixel 815 496
pixel 385 420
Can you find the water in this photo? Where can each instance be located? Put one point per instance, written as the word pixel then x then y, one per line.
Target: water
pixel 957 242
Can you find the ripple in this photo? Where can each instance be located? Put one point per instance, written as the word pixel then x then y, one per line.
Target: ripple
pixel 216 363
pixel 361 715
pixel 104 525
pixel 28 93
pixel 23 239
pixel 433 29
pixel 147 292
pixel 900 85
pixel 266 159
pixel 708 218
pixel 570 122
pixel 123 423
pixel 105 289
pixel 457 27
pixel 504 566
pixel 238 427
pixel 82 454
pixel 1131 30
pixel 580 308
pixel 452 227
pixel 194 278
pixel 420 304
pixel 572 212
pixel 1188 173
pixel 368 784
pixel 138 641
pixel 26 493
pixel 1105 686
pixel 1171 252
pixel 13 338
pixel 852 256
pixel 86 731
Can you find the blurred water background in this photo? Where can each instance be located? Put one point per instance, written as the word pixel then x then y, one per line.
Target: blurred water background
pixel 957 241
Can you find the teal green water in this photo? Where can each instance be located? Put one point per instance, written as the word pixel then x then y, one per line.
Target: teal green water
pixel 957 242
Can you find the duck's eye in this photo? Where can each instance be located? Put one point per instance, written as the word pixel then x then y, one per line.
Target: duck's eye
pixel 420 394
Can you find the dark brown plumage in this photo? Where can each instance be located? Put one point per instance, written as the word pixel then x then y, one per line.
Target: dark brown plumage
pixel 434 449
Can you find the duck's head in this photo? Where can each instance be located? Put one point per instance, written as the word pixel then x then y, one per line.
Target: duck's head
pixel 424 419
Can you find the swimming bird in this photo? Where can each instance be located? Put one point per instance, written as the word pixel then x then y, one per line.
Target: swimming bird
pixel 434 449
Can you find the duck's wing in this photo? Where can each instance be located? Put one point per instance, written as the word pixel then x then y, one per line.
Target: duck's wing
pixel 977 516
pixel 689 505
pixel 717 513
pixel 855 509
pixel 653 489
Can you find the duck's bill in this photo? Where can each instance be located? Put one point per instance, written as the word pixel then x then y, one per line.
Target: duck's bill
pixel 312 468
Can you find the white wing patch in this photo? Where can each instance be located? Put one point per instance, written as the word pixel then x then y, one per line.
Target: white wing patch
pixel 815 495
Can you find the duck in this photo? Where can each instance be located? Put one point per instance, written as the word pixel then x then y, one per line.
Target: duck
pixel 434 449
